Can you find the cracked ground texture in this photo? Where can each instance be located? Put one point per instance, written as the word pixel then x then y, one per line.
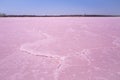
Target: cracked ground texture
pixel 60 48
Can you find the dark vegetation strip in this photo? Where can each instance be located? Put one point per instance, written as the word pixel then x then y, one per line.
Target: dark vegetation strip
pixel 59 15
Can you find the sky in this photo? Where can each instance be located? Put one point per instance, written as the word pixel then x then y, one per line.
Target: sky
pixel 60 7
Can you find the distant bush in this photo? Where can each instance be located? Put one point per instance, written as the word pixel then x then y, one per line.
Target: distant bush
pixel 2 15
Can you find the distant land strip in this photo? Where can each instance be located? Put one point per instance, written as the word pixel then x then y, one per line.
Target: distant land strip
pixel 59 15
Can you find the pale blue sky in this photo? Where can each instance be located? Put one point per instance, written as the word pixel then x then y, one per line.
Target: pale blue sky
pixel 60 7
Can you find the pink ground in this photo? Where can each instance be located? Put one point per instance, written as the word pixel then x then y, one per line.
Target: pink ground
pixel 54 48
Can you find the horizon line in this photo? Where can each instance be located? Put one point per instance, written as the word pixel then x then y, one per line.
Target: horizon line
pixel 57 15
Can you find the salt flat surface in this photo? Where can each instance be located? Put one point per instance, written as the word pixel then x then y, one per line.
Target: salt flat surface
pixel 54 48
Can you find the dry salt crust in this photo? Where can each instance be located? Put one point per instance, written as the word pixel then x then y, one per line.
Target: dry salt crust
pixel 60 48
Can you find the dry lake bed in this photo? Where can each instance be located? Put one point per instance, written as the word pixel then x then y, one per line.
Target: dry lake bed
pixel 60 48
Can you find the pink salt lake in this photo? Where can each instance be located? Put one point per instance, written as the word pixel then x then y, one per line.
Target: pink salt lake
pixel 60 48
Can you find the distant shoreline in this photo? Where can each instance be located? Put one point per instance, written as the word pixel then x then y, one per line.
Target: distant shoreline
pixel 60 16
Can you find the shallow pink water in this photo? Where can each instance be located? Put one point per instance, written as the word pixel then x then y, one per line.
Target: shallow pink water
pixel 57 48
